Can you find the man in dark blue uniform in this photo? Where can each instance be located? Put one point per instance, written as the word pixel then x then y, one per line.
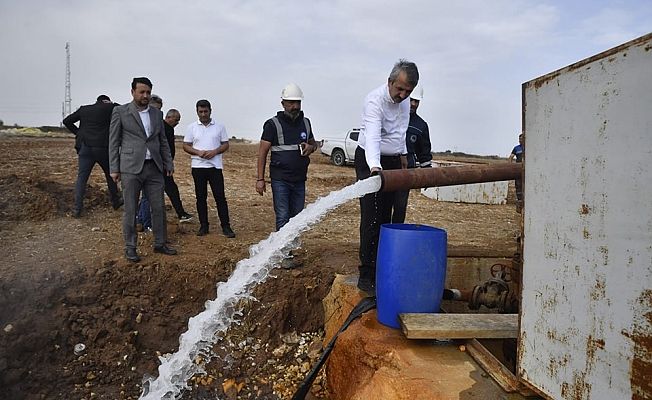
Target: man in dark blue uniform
pixel 289 137
pixel 92 144
pixel 417 140
pixel 517 153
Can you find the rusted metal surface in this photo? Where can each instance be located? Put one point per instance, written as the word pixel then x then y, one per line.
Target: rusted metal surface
pixel 414 178
pixel 608 55
pixel 586 328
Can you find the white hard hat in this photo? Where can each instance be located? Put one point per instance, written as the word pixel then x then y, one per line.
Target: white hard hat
pixel 417 93
pixel 292 92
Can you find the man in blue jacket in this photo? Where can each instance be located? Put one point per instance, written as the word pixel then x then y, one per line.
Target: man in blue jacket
pixel 417 141
pixel 289 137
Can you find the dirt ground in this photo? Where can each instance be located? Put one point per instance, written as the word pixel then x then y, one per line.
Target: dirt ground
pixel 64 281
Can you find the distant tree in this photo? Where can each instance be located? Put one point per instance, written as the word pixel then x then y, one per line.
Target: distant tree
pixel 2 123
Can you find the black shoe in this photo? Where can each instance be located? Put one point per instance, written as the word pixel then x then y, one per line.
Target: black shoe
pixel 185 217
pixel 76 213
pixel 228 232
pixel 131 255
pixel 367 280
pixel 118 203
pixel 202 231
pixel 367 286
pixel 165 250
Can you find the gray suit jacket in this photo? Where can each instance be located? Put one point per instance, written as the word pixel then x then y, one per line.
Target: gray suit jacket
pixel 128 141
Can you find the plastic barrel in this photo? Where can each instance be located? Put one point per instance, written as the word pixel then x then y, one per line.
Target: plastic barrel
pixel 410 271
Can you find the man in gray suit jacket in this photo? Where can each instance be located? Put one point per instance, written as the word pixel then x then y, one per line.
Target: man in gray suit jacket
pixel 139 155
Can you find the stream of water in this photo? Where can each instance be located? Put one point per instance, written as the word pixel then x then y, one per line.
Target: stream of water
pixel 203 329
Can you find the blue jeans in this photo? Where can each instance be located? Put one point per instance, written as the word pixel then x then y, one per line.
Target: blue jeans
pixel 144 212
pixel 289 199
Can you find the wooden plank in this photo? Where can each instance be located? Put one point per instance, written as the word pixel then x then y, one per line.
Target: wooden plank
pixel 459 326
pixel 499 372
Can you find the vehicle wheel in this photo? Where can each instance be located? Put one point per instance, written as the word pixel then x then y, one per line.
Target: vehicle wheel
pixel 338 157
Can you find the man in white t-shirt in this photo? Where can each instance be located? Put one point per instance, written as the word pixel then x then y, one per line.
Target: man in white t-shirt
pixel 205 141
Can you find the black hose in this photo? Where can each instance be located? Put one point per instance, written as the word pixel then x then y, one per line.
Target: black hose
pixel 366 304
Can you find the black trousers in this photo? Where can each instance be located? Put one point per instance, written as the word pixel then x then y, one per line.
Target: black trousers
pixel 88 156
pixel 213 177
pixel 400 206
pixel 172 190
pixel 375 209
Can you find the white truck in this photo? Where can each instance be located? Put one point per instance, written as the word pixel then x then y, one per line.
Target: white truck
pixel 342 151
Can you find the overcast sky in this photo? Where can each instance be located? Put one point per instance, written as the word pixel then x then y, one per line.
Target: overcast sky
pixel 473 57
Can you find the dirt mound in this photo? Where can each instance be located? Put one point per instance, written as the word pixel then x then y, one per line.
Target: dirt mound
pixel 30 198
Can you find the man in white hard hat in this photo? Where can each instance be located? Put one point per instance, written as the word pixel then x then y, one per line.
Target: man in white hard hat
pixel 417 141
pixel 381 145
pixel 290 138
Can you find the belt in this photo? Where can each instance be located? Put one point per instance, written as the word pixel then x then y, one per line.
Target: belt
pixel 149 160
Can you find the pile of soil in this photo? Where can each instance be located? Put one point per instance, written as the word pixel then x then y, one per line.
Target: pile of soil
pixel 64 281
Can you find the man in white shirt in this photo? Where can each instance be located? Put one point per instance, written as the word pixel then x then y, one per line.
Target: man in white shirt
pixel 381 145
pixel 205 141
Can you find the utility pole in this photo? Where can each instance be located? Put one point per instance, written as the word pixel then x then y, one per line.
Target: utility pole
pixel 67 100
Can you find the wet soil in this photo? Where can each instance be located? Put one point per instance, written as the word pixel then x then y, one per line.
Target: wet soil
pixel 64 281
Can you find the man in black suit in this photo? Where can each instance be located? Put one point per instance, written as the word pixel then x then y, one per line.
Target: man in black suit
pixel 92 136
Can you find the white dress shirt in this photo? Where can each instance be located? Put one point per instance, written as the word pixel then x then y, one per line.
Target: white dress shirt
pixel 383 127
pixel 203 137
pixel 147 124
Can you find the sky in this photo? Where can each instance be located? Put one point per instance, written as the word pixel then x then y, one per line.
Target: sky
pixel 473 57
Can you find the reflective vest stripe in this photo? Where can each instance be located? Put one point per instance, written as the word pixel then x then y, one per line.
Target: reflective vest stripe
pixel 281 139
pixel 285 147
pixel 279 131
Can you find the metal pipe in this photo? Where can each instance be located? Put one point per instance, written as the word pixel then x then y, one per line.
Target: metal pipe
pixel 413 178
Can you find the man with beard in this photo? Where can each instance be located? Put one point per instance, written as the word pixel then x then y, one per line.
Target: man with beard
pixel 289 137
pixel 206 140
pixel 139 156
pixel 381 145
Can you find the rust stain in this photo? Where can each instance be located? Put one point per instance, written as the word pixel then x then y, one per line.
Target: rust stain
pixel 641 335
pixel 579 389
pixel 586 233
pixel 585 209
pixel 604 251
pixel 592 345
pixel 599 290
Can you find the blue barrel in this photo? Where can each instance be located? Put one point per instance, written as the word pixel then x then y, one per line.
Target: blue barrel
pixel 410 271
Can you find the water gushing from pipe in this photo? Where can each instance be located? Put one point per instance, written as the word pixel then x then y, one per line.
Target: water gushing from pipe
pixel 176 369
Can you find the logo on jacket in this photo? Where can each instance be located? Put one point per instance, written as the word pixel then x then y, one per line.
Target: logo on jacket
pixel 413 138
pixel 304 136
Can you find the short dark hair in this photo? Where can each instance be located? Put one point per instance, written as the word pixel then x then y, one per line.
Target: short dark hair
pixel 103 97
pixel 410 70
pixel 156 99
pixel 203 103
pixel 143 80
